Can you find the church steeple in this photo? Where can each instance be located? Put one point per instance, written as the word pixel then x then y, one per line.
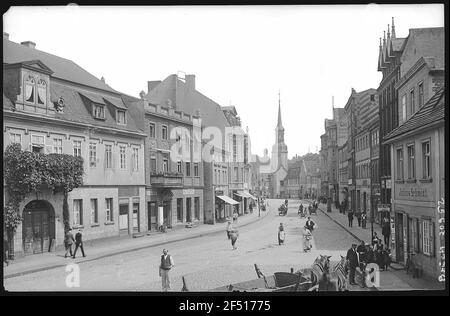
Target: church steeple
pixel 279 124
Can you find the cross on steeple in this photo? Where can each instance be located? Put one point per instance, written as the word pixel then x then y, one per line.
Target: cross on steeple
pixel 279 124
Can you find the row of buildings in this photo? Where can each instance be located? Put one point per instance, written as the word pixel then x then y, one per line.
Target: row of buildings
pixel 172 156
pixel 383 152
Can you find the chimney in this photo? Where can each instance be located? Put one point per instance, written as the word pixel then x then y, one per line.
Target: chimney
pixel 29 44
pixel 103 79
pixel 190 82
pixel 5 36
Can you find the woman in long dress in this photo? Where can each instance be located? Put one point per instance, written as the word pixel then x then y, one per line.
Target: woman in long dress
pixel 234 234
pixel 306 239
pixel 281 235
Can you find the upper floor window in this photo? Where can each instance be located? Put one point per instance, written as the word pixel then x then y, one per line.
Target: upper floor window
pixel 99 111
pixel 135 157
pixel 92 155
pixel 188 169
pixel 123 157
pixel 165 163
pixel 426 160
pixel 399 164
pixel 37 143
pixel 15 138
pixel 411 163
pixel 411 102
pixel 164 133
pixel 120 117
pixel 404 108
pixel 42 92
pixel 195 169
pixel 151 127
pixel 108 156
pixel 57 146
pixel 77 148
pixel 153 164
pixel 420 94
pixel 179 167
pixel 78 212
pixel 30 83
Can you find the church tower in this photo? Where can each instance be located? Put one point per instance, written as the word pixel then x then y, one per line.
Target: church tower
pixel 279 156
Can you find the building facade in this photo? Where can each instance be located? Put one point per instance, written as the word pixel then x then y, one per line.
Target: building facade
pixel 51 105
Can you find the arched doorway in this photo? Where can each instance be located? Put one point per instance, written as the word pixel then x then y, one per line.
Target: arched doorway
pixel 38 227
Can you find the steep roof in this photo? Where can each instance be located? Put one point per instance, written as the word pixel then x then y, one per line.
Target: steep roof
pixel 62 68
pixel 428 114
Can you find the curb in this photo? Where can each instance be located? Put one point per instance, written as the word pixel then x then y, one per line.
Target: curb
pixel 13 275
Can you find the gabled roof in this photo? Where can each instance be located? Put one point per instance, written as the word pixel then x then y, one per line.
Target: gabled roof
pixel 62 68
pixel 432 112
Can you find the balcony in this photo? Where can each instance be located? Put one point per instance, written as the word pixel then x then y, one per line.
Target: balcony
pixel 166 180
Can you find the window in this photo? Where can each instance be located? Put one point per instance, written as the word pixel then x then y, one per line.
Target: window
pixel 94 211
pixel 42 92
pixel 179 167
pixel 400 164
pixel 135 159
pixel 426 161
pixel 99 111
pixel 188 169
pixel 29 89
pixel 92 155
pixel 164 132
pixel 57 146
pixel 108 156
pixel 77 148
pixel 372 97
pixel 165 164
pixel 37 143
pixel 120 117
pixel 77 212
pixel 195 169
pixel 234 148
pixel 197 208
pixel 179 210
pixel 236 174
pixel 404 108
pixel 414 236
pixel 152 130
pixel 153 164
pixel 411 102
pixel 109 209
pixel 428 237
pixel 411 163
pixel 420 94
pixel 15 138
pixel 123 157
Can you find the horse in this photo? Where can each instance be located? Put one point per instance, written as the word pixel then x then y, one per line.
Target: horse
pixel 339 275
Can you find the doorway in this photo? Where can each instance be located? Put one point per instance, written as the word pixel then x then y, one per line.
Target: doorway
pixel 38 227
pixel 152 215
pixel 188 210
pixel 399 237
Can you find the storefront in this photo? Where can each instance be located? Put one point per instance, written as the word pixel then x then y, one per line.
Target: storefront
pixel 224 207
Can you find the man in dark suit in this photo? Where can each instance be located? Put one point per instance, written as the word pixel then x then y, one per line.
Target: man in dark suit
pixel 350 218
pixel 310 224
pixel 78 243
pixel 352 258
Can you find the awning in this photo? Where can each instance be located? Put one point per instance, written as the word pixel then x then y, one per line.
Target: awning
pixel 227 199
pixel 246 194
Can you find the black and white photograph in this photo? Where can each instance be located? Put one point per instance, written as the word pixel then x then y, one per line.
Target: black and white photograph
pixel 176 149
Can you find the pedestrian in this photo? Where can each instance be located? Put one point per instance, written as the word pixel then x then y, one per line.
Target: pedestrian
pixel 164 268
pixel 364 219
pixel 229 229
pixel 350 218
pixel 386 231
pixel 361 250
pixel 234 234
pixel 78 243
pixel 235 216
pixel 310 224
pixel 307 236
pixel 281 235
pixel 251 208
pixel 353 262
pixel 358 217
pixel 68 242
pixel 5 250
pixel 375 240
pixel 370 256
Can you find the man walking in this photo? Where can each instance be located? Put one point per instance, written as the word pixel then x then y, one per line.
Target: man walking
pixel 166 264
pixel 352 258
pixel 310 224
pixel 78 243
pixel 358 217
pixel 386 231
pixel 350 218
pixel 68 242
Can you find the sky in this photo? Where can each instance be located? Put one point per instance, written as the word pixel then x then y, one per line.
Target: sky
pixel 240 55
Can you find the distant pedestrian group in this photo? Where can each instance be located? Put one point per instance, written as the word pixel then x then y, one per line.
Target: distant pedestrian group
pixel 69 240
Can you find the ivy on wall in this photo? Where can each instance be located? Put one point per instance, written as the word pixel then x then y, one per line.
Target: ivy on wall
pixel 24 172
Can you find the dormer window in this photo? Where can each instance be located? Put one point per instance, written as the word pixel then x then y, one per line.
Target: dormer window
pixel 42 92
pixel 29 89
pixel 121 117
pixel 99 111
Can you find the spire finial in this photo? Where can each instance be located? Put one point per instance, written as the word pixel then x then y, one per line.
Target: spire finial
pixel 393 28
pixel 279 109
pixel 388 33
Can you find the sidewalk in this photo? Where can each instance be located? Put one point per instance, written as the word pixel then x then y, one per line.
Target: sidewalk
pixel 394 279
pixel 101 248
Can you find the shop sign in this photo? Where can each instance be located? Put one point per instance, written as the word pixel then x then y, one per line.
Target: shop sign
pixel 441 222
pixel 188 191
pixel 413 192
